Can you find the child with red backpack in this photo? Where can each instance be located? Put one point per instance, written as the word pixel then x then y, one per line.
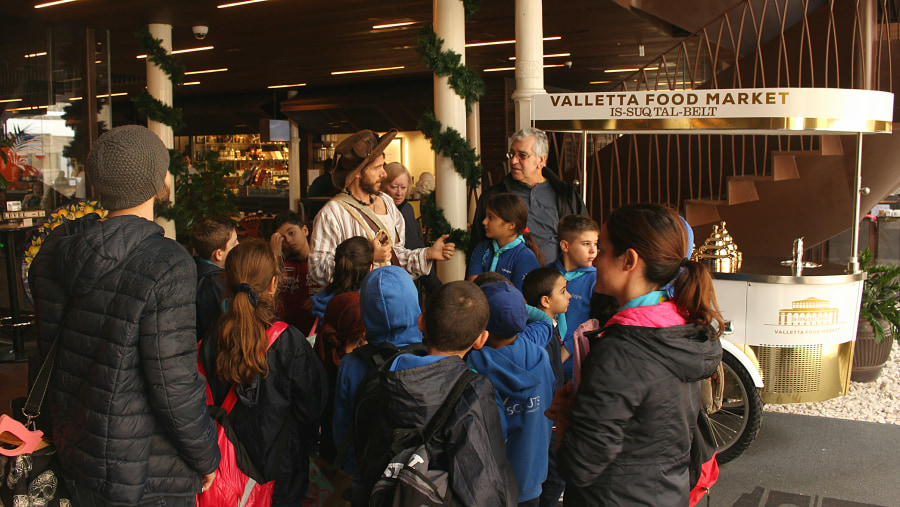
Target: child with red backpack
pixel 274 379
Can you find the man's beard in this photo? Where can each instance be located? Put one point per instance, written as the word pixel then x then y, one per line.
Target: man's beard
pixel 371 188
pixel 161 201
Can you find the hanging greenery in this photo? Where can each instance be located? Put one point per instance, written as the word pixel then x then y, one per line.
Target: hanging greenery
pixel 464 81
pixel 145 103
pixel 170 64
pixel 471 7
pixel 436 224
pixel 451 144
pixel 157 111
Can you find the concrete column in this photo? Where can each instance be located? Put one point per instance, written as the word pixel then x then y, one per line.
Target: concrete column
pixel 529 58
pixel 160 87
pixel 450 110
pixel 473 135
pixel 294 183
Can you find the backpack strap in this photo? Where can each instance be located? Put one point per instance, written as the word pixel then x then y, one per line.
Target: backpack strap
pixel 439 419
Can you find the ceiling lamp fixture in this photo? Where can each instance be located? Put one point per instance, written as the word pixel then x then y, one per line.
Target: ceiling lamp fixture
pixel 29 108
pixel 10 100
pixel 179 51
pixel 73 99
pixel 393 25
pixel 510 41
pixel 34 55
pixel 207 71
pixel 600 82
pixel 635 69
pixel 498 69
pixel 287 85
pixel 235 4
pixel 49 4
pixel 554 55
pixel 190 83
pixel 359 71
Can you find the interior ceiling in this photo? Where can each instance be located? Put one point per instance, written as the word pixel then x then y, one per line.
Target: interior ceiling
pixel 302 41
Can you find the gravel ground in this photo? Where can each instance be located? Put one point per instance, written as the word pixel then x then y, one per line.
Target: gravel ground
pixel 877 401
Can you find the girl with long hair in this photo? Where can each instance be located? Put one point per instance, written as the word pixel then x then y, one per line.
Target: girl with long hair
pixel 352 262
pixel 280 384
pixel 509 250
pixel 626 435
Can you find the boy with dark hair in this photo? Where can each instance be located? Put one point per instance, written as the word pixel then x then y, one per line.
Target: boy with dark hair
pixel 490 277
pixel 470 445
pixel 578 236
pixel 521 373
pixel 546 295
pixel 290 243
pixel 212 238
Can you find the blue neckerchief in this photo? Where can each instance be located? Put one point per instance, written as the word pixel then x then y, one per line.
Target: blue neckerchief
pixel 211 262
pixel 498 251
pixel 651 298
pixel 569 276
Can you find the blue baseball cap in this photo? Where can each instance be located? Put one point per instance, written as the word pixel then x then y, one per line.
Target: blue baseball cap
pixel 508 313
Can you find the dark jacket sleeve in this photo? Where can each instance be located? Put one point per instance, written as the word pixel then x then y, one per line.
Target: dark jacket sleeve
pixel 168 347
pixel 309 383
pixel 480 472
pixel 606 401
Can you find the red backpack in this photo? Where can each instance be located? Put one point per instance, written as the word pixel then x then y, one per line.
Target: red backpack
pixel 237 480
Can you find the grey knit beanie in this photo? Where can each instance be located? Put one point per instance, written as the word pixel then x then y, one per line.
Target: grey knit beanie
pixel 128 166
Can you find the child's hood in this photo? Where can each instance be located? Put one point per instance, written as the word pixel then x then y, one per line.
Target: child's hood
pixel 515 369
pixel 390 306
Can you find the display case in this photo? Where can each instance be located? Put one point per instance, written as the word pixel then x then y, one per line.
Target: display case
pixel 257 168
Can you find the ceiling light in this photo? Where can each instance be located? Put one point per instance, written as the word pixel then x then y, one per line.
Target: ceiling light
pixel 287 85
pixel 600 82
pixel 48 4
pixel 498 42
pixel 10 100
pixel 393 25
pixel 32 55
pixel 554 55
pixel 29 108
pixel 98 61
pixel 635 69
pixel 207 71
pixel 179 51
pixel 73 99
pixel 498 69
pixel 358 71
pixel 235 4
pixel 190 83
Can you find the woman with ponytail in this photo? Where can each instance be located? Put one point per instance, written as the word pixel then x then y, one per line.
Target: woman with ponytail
pixel 509 250
pixel 626 433
pixel 280 384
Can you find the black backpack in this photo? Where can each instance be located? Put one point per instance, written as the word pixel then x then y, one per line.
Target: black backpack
pixel 409 476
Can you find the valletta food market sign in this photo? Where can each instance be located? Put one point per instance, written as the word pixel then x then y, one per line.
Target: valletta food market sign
pixel 745 110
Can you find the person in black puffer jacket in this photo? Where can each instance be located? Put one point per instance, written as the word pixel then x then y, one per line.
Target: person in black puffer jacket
pixel 626 437
pixel 127 405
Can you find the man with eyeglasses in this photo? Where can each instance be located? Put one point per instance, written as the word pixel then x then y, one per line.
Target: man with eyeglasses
pixel 547 197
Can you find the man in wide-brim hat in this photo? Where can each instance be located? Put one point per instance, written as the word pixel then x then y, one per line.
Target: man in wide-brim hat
pixel 361 209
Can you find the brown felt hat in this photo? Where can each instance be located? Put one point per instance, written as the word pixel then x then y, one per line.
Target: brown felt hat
pixel 356 152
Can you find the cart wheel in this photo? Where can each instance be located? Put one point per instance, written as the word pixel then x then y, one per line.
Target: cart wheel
pixel 737 423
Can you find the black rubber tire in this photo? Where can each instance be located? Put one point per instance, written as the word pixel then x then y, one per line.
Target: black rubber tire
pixel 737 423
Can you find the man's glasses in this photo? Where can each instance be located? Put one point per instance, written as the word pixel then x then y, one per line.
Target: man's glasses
pixel 522 155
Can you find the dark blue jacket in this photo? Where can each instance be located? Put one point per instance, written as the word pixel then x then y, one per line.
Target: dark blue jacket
pixel 524 381
pixel 581 289
pixel 210 280
pixel 514 264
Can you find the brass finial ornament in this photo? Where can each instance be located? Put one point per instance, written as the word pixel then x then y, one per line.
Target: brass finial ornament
pixel 719 252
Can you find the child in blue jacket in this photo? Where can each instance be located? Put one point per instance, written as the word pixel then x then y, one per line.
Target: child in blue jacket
pixel 523 378
pixel 509 250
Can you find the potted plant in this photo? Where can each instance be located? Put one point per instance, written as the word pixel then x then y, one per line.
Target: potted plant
pixel 879 319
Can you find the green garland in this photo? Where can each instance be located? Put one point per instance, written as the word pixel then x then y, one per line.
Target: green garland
pixel 470 6
pixel 436 224
pixel 157 111
pixel 464 81
pixel 451 144
pixel 145 103
pixel 171 65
